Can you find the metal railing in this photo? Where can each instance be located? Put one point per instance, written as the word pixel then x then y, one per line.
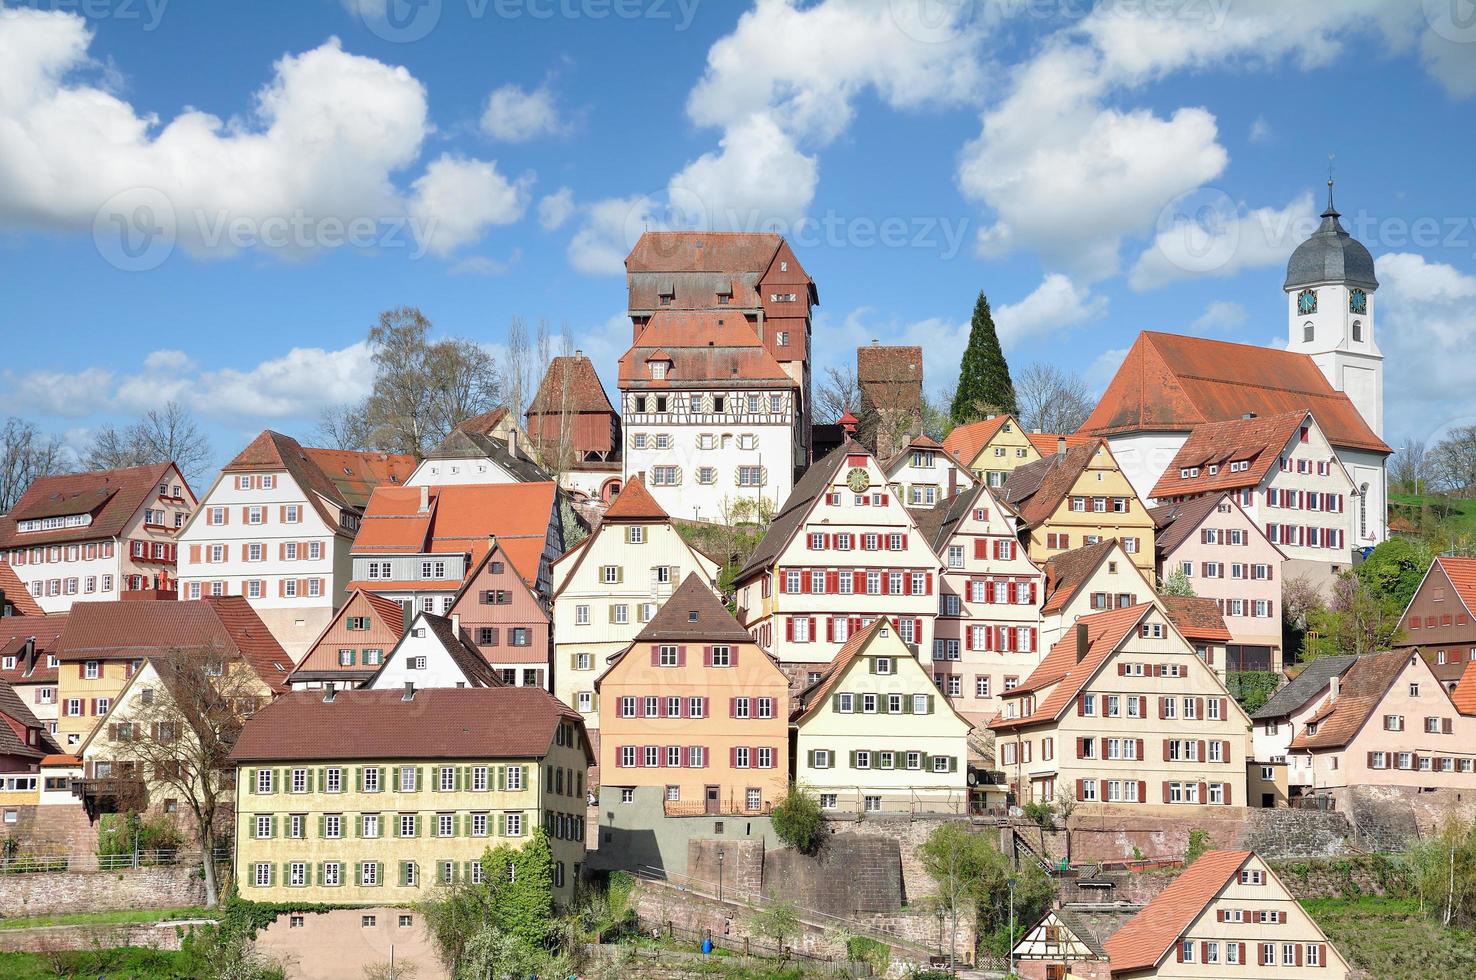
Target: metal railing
pixel 43 863
pixel 730 808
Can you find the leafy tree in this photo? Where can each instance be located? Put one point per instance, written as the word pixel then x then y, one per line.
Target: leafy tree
pixel 1409 465
pixel 1356 620
pixel 970 872
pixel 984 376
pixel 508 915
pixel 777 921
pixel 1176 583
pixel 798 820
pixel 1394 570
pixel 1443 867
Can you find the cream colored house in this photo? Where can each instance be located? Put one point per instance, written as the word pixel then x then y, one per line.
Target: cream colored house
pixel 1226 915
pixel 1087 580
pixel 873 734
pixel 923 473
pixel 1079 496
pixel 377 797
pixel 610 586
pixel 1122 711
pixel 991 448
pixel 987 636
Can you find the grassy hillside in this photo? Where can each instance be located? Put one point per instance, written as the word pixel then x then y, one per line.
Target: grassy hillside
pixel 1427 510
pixel 1387 938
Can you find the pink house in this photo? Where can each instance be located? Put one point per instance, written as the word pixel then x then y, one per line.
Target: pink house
pixel 1227 558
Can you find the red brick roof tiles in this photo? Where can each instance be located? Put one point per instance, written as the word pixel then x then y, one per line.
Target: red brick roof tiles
pixel 1151 934
pixel 15 631
pixel 437 723
pixel 1361 691
pixel 1047 443
pixel 965 441
pixel 1255 441
pixel 707 348
pixel 1070 570
pixel 332 479
pixel 17 595
pixel 1036 489
pixel 635 503
pixel 1171 383
pixel 112 497
pixel 1197 617
pixel 819 692
pixel 703 251
pixel 570 384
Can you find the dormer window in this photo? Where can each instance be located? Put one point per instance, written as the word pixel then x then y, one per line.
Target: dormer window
pixel 658 370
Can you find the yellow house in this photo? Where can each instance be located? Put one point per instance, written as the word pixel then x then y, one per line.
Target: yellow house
pixel 873 734
pixel 696 710
pixel 992 448
pixel 1076 496
pixel 375 797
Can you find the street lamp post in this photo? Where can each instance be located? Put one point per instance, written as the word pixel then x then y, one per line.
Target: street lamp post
pixel 720 874
pixel 1011 882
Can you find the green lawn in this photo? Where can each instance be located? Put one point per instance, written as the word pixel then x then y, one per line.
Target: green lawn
pixel 1434 507
pixel 115 918
pixel 1390 940
pixel 128 963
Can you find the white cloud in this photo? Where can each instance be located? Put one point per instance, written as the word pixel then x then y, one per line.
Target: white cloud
pixel 168 360
pixel 756 176
pixel 1055 304
pixel 1219 316
pixel 1103 369
pixel 556 208
pixel 68 394
pixel 1205 233
pixel 457 199
pixel 1260 130
pixel 483 265
pixel 515 115
pixel 600 245
pixel 1422 314
pixel 321 147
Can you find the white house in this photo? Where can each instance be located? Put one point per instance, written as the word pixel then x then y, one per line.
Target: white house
pixel 277 526
pixel 922 473
pixel 710 417
pixel 434 652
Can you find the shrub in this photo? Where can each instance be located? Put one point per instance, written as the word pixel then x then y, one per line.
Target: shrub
pixel 798 820
pixel 1199 841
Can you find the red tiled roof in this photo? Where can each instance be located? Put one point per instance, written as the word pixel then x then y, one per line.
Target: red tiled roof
pixel 459 519
pixel 1462 575
pixel 635 503
pixel 1257 441
pixel 1036 489
pixel 137 630
pixel 819 692
pixel 316 662
pixel 61 760
pixel 1151 934
pixel 1106 631
pixel 570 384
pixel 20 718
pixel 15 631
pixel 703 251
pixel 17 595
pixel 965 441
pixel 1197 617
pixel 333 479
pixel 1171 383
pixel 1361 691
pixel 1046 443
pixel 1068 571
pixel 1174 523
pixel 483 424
pixel 112 497
pixel 438 723
pixel 707 348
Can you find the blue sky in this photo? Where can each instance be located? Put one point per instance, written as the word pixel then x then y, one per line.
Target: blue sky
pixel 496 157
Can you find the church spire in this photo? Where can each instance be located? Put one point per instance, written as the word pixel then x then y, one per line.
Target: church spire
pixel 1331 211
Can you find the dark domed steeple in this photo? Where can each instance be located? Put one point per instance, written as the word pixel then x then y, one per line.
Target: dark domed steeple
pixel 1330 255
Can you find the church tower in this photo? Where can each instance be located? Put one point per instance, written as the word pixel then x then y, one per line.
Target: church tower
pixel 1330 287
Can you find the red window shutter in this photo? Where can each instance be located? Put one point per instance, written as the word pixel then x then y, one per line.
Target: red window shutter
pixel 917 631
pixel 1370 760
pixel 733 757
pixel 1225 752
pixel 281 588
pixel 1165 792
pixel 904 542
pixel 281 551
pixel 655 655
pixel 1165 754
pixel 884 499
pixel 829 629
pixel 1179 952
pixel 1079 749
pixel 1032 593
pixel 1139 753
pixel 1203 792
pixel 1203 951
pixel 620 757
pixel 1080 787
pixel 1122 669
pixel 1202 750
pixel 980 546
pixel 1080 705
pixel 906 584
pixel 832 582
pixel 195 554
pixel 812 629
pixel 1298 948
pixel 1322 954
pixel 1219 915
pixel 681 656
pixel 804 582
pixel 1199 709
pixel 858 583
pixel 732 707
pixel 928 584
pixel 282 513
pixel 1142 785
pixel 968 638
pixel 789 628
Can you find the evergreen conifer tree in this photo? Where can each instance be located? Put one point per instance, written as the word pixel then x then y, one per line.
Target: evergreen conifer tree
pixel 984 383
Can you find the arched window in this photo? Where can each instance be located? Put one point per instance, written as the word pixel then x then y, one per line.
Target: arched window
pixel 1363 512
pixel 1358 330
pixel 1307 332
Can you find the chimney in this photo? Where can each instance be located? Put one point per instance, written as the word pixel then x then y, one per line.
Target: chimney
pixel 1060 445
pixel 424 498
pixel 579 355
pixel 329 693
pixel 1335 686
pixel 1248 416
pixel 875 342
pixel 409 691
pixel 407 614
pixel 1081 642
pixel 456 624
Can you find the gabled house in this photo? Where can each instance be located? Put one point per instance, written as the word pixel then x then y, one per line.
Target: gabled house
pixel 24 742
pixel 991 448
pixel 470 457
pixel 105 643
pixel 695 712
pixel 873 735
pixel 276 527
pixel 609 587
pixel 97 536
pixel 922 473
pixel 1226 915
pixel 379 797
pixel 1386 721
pixel 1077 496
pixel 1280 720
pixel 417 545
pixel 1285 475
pixel 1227 558
pixel 507 619
pixel 711 417
pixel 434 652
pixel 1122 711
pixel 987 634
pixel 1063 942
pixel 29 662
pixel 1091 579
pixel 1198 620
pixel 1439 621
pixel 841 554
pixel 15 596
pixel 574 428
pixel 352 646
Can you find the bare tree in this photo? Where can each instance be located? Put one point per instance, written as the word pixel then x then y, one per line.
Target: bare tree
pixel 160 436
pixel 180 734
pixel 1407 467
pixel 839 393
pixel 1051 400
pixel 1452 463
pixel 25 455
pixel 519 368
pixel 1066 805
pixel 343 427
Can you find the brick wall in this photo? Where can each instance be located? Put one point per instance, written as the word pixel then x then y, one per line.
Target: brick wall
pixel 160 935
pixel 98 891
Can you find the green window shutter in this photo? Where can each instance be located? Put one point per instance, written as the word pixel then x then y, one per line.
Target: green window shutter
pixel 404 873
pixel 525 776
pixel 459 778
pixel 835 702
pixel 907 704
pixel 418 779
pixel 322 828
pixel 322 779
pixel 930 704
pixel 853 758
pixel 252 788
pixel 271 875
pixel 501 778
pixel 810 757
pixel 926 763
pixel 318 880
pixel 358 872
pixel 394 774
pixel 611 612
pixel 953 763
pixel 274 826
pixel 501 825
pixel 358 779
pixel 308 776
pixel 871 665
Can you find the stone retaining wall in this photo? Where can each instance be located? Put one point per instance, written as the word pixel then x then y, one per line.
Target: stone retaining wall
pixel 23 895
pixel 158 935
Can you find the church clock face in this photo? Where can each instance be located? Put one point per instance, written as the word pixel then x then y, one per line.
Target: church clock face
pixel 1307 301
pixel 858 479
pixel 1358 301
